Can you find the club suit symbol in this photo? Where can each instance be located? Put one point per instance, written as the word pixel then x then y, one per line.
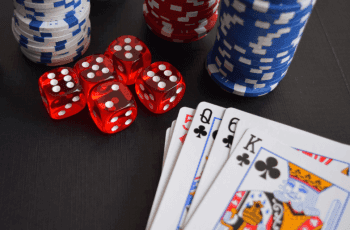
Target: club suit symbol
pixel 228 141
pixel 200 131
pixel 268 167
pixel 243 159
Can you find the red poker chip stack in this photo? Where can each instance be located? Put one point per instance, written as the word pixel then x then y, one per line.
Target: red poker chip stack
pixel 181 20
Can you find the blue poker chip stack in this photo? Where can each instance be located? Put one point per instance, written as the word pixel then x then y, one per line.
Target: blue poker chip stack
pixel 255 43
pixel 52 32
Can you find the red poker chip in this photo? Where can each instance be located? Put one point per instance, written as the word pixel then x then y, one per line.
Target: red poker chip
pixel 183 26
pixel 172 29
pixel 180 30
pixel 175 37
pixel 190 16
pixel 180 6
pixel 178 40
pixel 178 27
pixel 184 31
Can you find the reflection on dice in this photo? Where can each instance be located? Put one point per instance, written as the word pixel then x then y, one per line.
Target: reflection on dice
pixel 160 87
pixel 93 70
pixel 61 93
pixel 112 106
pixel 130 57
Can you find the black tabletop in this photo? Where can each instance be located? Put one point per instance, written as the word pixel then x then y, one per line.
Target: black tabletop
pixel 66 174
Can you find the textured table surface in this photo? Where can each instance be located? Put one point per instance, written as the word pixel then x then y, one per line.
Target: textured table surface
pixel 68 175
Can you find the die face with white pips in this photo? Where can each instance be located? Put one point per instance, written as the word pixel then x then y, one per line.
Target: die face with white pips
pixel 130 56
pixel 162 76
pixel 60 89
pixel 94 69
pixel 162 85
pixel 112 106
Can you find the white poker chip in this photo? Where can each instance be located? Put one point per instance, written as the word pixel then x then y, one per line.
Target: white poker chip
pixel 54 32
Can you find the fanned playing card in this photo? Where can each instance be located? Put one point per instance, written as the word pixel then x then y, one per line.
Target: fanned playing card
pixel 178 136
pixel 189 166
pixel 268 185
pixel 323 150
pixel 218 155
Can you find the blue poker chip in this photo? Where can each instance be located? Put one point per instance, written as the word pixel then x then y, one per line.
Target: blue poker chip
pixel 237 73
pixel 255 50
pixel 266 10
pixel 240 55
pixel 245 77
pixel 236 88
pixel 255 43
pixel 272 38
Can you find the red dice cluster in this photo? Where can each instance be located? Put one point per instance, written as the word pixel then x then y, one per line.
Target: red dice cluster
pixel 100 81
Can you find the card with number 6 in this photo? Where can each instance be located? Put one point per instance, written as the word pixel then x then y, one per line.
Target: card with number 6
pixel 218 156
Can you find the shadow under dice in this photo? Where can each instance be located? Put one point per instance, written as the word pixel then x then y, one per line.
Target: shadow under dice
pixel 160 87
pixel 112 106
pixel 61 93
pixel 130 57
pixel 93 70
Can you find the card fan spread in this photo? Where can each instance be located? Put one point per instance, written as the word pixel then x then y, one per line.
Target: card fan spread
pixel 52 32
pixel 222 171
pixel 180 20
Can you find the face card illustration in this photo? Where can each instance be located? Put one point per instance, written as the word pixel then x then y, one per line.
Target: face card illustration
pixel 328 152
pixel 218 155
pixel 183 123
pixel 189 167
pixel 267 185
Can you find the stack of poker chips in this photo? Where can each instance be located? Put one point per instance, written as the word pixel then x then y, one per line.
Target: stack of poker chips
pixel 255 44
pixel 52 32
pixel 181 20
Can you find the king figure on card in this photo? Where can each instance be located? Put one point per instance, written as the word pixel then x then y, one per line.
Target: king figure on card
pixel 293 207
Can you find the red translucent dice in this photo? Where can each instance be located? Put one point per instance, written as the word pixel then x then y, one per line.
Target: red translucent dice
pixel 93 70
pixel 112 106
pixel 130 57
pixel 61 93
pixel 160 87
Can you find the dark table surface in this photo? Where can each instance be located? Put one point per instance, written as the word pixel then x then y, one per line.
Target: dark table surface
pixel 66 174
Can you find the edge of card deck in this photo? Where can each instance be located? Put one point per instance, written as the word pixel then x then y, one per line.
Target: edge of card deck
pixel 174 148
pixel 214 205
pixel 169 134
pixel 171 208
pixel 166 144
